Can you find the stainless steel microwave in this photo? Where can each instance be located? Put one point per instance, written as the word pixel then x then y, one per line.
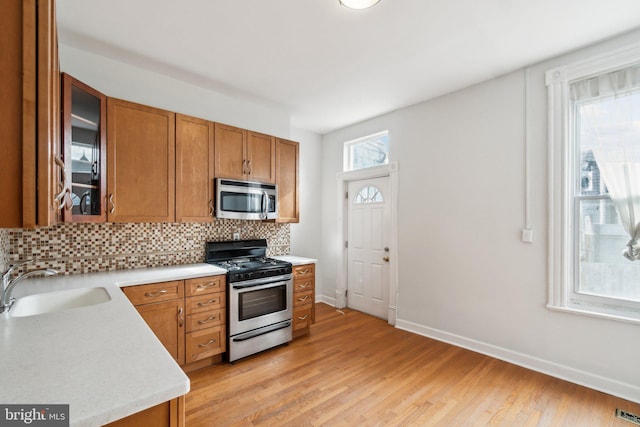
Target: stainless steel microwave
pixel 246 200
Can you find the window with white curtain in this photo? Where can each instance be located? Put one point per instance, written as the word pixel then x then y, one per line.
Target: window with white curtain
pixel 595 186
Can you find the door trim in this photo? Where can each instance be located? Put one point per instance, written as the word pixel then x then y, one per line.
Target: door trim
pixel 343 179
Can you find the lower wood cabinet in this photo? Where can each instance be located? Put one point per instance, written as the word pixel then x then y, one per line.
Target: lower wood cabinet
pixel 187 316
pixel 304 295
pixel 167 414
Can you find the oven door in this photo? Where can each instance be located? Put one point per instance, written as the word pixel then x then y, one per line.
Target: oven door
pixel 257 303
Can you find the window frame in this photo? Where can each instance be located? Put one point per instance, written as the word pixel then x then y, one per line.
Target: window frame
pixel 347 150
pixel 563 198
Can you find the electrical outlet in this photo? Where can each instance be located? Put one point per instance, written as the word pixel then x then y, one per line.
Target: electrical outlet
pixel 236 236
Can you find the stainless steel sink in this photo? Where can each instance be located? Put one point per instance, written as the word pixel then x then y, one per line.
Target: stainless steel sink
pixel 50 302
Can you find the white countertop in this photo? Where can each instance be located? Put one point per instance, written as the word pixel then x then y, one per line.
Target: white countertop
pixel 296 260
pixel 102 360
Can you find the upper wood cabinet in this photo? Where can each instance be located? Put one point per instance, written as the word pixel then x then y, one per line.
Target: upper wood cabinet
pixel 30 178
pixel 261 157
pixel 84 136
pixel 194 169
pixel 245 155
pixel 140 163
pixel 287 171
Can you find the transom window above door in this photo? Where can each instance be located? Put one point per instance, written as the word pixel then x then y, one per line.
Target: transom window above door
pixel 367 152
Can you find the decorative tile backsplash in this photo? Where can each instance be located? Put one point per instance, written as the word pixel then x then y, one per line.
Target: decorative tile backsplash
pixel 84 248
pixel 4 249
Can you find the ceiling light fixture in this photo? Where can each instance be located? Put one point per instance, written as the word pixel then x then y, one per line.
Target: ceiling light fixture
pixel 358 4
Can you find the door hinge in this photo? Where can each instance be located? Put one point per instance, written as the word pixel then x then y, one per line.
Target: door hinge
pixel 346 195
pixel 346 292
pixel 346 244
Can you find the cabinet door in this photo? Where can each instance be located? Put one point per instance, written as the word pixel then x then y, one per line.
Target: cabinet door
pixel 230 154
pixel 261 157
pixel 84 136
pixel 30 107
pixel 194 169
pixel 140 163
pixel 166 320
pixel 11 86
pixel 287 180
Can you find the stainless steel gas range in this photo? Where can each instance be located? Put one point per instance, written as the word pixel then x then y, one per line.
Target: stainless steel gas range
pixel 259 296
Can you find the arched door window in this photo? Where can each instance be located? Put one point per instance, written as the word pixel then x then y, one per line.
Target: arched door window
pixel 369 194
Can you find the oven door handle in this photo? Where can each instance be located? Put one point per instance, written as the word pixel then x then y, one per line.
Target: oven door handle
pixel 258 286
pixel 262 331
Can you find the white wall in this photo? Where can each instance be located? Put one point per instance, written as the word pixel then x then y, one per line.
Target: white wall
pixel 120 80
pixel 464 275
pixel 306 236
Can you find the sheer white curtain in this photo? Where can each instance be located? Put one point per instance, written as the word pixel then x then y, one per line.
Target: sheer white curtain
pixel 608 115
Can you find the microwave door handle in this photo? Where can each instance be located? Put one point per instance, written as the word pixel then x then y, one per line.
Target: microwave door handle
pixel 265 204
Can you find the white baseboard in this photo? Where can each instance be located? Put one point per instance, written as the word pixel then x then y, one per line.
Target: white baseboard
pixel 616 388
pixel 325 299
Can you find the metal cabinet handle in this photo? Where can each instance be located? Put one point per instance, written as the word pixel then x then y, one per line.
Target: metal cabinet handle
pixel 244 166
pixel 112 203
pixel 210 319
pixel 304 285
pixel 204 304
pixel 207 344
pixel 180 317
pixel 155 294
pixel 205 286
pixel 59 199
pixel 249 168
pixel 305 271
pixel 303 317
pixel 306 297
pixel 210 207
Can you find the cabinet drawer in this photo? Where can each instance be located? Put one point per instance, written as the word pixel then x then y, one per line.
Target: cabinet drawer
pixel 204 303
pixel 302 317
pixel 303 284
pixel 154 292
pixel 204 285
pixel 205 343
pixel 306 270
pixel 204 320
pixel 302 298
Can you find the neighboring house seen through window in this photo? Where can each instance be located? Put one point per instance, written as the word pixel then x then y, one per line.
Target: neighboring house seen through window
pixel 595 187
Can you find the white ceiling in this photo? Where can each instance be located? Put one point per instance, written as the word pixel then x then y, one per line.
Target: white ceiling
pixel 329 66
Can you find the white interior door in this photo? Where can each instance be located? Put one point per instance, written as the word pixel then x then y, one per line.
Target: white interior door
pixel 368 246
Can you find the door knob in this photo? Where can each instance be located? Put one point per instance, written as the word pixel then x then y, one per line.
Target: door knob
pixel 385 259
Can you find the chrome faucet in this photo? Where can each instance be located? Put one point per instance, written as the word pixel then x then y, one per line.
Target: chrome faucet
pixel 8 284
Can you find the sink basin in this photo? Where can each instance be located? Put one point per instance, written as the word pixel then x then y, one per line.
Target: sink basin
pixel 50 302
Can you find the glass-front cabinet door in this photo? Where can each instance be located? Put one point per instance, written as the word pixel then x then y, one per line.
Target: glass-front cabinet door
pixel 84 139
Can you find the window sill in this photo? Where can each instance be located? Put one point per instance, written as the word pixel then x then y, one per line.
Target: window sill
pixel 592 311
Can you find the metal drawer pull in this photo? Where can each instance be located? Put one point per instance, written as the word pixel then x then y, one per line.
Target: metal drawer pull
pixel 205 286
pixel 151 295
pixel 303 317
pixel 180 317
pixel 211 212
pixel 204 304
pixel 304 285
pixel 305 271
pixel 303 298
pixel 210 319
pixel 207 344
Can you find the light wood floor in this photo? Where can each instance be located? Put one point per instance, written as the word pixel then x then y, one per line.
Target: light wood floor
pixel 356 370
